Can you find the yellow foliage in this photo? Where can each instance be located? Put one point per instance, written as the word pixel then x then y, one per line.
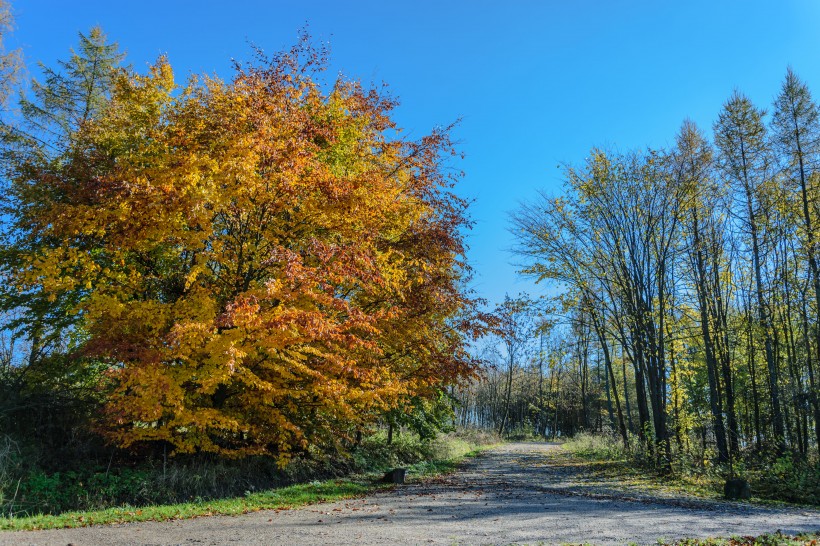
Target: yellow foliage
pixel 258 263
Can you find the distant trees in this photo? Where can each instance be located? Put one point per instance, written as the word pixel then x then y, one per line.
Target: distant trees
pixel 514 328
pixel 536 381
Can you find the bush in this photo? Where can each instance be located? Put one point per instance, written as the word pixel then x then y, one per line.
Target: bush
pixel 10 470
pixel 374 453
pixel 523 432
pixel 37 491
pixel 787 478
pixel 409 448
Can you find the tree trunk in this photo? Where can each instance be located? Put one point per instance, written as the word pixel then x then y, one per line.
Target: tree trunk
pixel 715 403
pixel 765 323
pixel 611 375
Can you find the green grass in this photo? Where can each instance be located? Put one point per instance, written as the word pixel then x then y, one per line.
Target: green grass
pixel 284 498
pixel 438 467
pixel 275 499
pixel 624 475
pixel 774 539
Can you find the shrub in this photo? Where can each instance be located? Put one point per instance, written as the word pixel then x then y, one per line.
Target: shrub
pixel 787 478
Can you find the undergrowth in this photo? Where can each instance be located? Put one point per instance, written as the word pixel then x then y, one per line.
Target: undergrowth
pixel 29 490
pixel 772 539
pixel 787 478
pixel 282 498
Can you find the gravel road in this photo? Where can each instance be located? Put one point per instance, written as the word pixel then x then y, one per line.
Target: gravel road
pixel 509 495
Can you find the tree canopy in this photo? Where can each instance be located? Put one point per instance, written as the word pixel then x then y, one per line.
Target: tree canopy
pixel 254 266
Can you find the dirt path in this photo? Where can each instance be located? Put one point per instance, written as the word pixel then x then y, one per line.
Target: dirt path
pixel 508 495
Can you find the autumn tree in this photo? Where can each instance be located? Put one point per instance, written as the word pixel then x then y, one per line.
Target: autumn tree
pixel 261 265
pixel 745 160
pixel 704 229
pixel 796 132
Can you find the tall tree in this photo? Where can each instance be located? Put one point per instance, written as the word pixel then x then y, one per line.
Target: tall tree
pixel 259 265
pixel 692 161
pixel 45 144
pixel 72 94
pixel 745 159
pixel 796 132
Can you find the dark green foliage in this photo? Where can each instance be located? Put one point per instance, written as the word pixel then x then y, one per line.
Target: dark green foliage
pixel 737 489
pixel 774 539
pixel 425 417
pixel 786 478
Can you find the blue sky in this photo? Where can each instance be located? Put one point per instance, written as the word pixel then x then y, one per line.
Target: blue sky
pixel 536 84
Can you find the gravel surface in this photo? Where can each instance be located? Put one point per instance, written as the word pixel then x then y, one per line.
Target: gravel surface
pixel 508 495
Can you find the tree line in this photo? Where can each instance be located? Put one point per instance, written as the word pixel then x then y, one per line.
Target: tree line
pixel 689 292
pixel 542 377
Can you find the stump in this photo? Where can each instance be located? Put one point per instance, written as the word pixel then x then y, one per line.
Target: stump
pixel 737 488
pixel 395 476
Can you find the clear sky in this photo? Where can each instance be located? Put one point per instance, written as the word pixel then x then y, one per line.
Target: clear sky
pixel 536 83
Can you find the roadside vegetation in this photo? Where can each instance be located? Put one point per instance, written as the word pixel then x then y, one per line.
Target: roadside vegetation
pixel 774 539
pixel 607 461
pixel 194 488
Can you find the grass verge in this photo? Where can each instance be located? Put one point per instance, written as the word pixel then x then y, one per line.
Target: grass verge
pixel 283 498
pixel 438 467
pixel 774 539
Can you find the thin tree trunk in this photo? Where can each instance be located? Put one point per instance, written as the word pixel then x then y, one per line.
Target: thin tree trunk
pixel 715 403
pixel 611 376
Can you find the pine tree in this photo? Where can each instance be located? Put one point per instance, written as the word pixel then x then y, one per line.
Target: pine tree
pixel 36 156
pixel 74 93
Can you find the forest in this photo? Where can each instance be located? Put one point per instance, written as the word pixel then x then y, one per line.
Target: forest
pixel 214 286
pixel 684 296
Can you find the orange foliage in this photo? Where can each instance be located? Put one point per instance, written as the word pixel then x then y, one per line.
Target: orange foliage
pixel 263 264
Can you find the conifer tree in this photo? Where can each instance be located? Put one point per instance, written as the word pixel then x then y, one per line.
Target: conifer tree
pixel 796 133
pixel 745 159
